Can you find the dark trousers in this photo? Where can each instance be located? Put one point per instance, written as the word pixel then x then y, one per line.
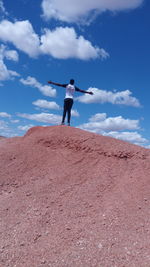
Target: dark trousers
pixel 68 102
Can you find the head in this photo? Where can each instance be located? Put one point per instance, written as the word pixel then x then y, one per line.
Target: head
pixel 72 81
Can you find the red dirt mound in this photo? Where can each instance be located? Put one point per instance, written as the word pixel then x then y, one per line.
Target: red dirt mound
pixel 70 198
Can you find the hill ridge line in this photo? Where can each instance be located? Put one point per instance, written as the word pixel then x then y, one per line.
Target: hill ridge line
pixel 82 144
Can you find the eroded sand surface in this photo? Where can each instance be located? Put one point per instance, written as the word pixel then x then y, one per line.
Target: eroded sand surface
pixel 70 198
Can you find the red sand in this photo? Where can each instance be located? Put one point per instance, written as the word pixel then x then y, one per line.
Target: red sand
pixel 70 198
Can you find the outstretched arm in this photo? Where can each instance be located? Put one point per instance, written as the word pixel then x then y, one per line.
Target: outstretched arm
pixel 83 91
pixel 58 84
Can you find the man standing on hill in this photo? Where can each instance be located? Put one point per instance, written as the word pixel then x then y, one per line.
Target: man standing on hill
pixel 68 101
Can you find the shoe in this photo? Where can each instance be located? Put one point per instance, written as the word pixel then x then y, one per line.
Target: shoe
pixel 68 124
pixel 62 123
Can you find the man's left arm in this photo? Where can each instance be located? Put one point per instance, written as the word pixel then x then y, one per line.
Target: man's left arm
pixel 83 91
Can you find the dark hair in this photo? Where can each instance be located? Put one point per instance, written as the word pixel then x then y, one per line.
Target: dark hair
pixel 72 81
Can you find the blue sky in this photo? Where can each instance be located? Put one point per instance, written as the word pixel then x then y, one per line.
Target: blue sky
pixel 102 44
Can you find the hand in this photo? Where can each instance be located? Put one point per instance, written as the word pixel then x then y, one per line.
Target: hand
pixel 91 93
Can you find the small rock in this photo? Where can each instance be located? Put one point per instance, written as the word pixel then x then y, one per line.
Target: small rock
pixel 43 261
pixel 100 246
pixel 28 194
pixel 37 237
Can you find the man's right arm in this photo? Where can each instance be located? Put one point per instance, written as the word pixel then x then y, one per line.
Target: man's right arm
pixel 58 84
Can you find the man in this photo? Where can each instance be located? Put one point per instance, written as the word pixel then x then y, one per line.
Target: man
pixel 68 101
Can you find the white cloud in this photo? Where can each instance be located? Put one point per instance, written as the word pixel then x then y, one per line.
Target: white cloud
pixel 103 96
pixel 22 35
pixel 6 130
pixel 132 137
pixel 25 127
pixel 2 8
pixel 8 54
pixel 85 10
pixel 44 89
pixel 3 126
pixel 5 115
pixel 64 43
pixel 46 104
pixel 13 73
pixel 98 117
pixel 42 117
pixel 99 123
pixel 60 43
pixel 11 55
pixel 6 74
pixel 14 121
pixel 75 113
pixel 116 127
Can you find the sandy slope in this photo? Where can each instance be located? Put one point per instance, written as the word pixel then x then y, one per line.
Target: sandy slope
pixel 70 198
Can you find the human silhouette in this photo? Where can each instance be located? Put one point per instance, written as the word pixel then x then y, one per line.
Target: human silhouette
pixel 68 101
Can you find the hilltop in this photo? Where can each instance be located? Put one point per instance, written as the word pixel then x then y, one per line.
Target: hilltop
pixel 71 198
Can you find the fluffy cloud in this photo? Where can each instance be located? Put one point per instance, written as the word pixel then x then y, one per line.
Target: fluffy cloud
pixel 5 53
pixel 6 74
pixel 11 55
pixel 60 43
pixel 64 43
pixel 98 117
pixel 85 10
pixel 25 127
pixel 42 117
pixel 99 123
pixel 44 89
pixel 132 137
pixel 6 130
pixel 5 115
pixel 14 121
pixel 46 104
pixel 3 126
pixel 2 8
pixel 22 35
pixel 8 54
pixel 103 96
pixel 75 113
pixel 116 127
